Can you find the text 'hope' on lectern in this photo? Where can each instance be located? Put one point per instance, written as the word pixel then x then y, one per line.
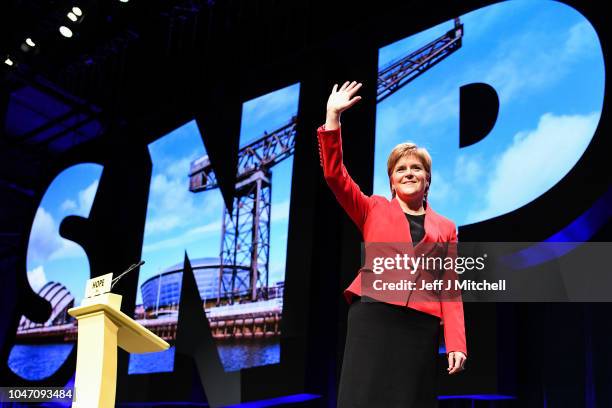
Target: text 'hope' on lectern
pixel 102 327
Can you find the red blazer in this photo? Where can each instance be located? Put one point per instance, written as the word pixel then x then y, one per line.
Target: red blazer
pixel 381 220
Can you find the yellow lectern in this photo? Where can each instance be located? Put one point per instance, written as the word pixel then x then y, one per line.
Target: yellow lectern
pixel 101 328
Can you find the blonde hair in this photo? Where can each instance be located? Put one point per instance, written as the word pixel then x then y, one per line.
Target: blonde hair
pixel 409 149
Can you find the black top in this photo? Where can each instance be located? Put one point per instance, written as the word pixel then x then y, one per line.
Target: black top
pixel 417 227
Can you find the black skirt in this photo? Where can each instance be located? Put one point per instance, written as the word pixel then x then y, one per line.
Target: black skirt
pixel 390 358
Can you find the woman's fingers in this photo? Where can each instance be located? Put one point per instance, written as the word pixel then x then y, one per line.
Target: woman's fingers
pixel 352 90
pixel 456 362
pixel 341 99
pixel 451 362
pixel 353 101
pixel 350 87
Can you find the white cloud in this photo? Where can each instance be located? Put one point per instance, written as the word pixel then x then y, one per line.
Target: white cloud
pixel 44 237
pixel 535 161
pixel 401 115
pixel 84 201
pixel 467 170
pixel 172 205
pixel 580 39
pixel 214 226
pixel 532 60
pixel 37 278
pixel 46 243
pixel 481 21
pixel 86 198
pixel 68 249
pixel 68 205
pixel 180 169
pixel 438 108
pixel 280 211
pixel 163 223
pixel 440 190
pixel 184 239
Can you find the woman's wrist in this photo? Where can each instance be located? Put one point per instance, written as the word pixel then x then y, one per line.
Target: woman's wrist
pixel 332 120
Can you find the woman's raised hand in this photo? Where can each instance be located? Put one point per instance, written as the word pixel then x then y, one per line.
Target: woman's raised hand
pixel 343 98
pixel 340 100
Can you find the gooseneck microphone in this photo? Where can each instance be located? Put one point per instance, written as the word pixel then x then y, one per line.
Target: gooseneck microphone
pixel 131 268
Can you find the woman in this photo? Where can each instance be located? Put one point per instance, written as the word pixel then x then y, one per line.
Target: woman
pixel 392 346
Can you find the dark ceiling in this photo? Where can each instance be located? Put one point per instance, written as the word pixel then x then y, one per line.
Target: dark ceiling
pixel 151 62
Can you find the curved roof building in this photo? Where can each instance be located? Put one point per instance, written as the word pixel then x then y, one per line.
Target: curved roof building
pixel 164 289
pixel 60 299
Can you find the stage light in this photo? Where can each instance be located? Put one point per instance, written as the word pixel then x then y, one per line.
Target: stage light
pixel 8 61
pixel 65 31
pixel 30 43
pixel 124 1
pixel 75 15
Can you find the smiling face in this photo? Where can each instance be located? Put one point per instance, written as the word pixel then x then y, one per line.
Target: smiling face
pixel 409 179
pixel 409 171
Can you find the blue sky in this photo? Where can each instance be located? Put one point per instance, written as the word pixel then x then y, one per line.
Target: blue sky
pixel 546 64
pixel 177 220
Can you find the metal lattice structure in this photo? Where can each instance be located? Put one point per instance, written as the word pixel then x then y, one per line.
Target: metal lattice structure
pixel 264 152
pixel 399 73
pixel 245 245
pixel 245 241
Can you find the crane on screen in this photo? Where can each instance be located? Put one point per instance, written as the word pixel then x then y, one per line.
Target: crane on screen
pixel 245 240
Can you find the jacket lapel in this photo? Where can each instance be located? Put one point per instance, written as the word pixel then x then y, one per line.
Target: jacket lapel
pixel 431 226
pixel 404 224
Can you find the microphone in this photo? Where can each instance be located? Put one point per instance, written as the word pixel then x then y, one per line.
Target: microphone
pixel 131 268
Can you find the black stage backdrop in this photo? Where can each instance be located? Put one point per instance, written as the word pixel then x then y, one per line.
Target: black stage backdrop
pixel 238 50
